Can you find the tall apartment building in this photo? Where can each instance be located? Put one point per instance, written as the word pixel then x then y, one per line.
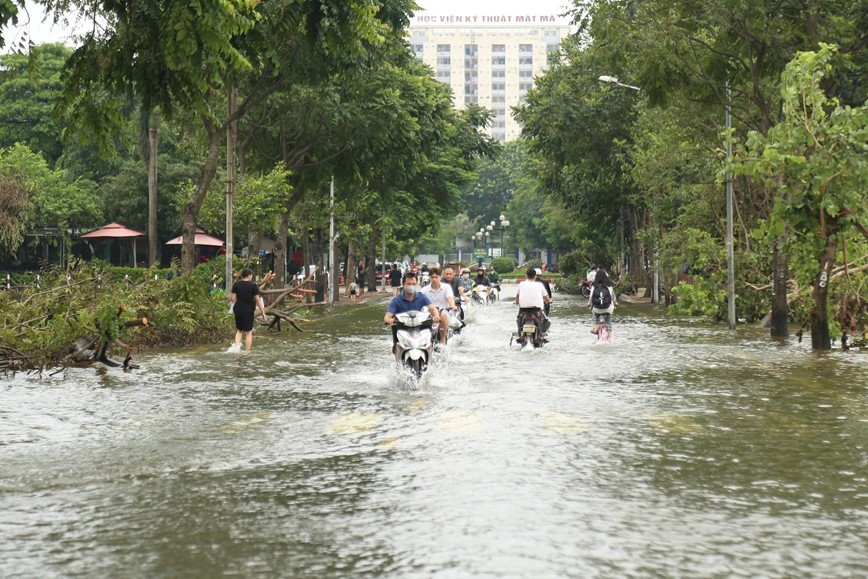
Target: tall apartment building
pixel 489 60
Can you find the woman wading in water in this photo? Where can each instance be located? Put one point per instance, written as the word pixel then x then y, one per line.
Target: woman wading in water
pixel 245 299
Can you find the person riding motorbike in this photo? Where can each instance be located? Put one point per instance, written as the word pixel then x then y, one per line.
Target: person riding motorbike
pixel 601 280
pixel 457 289
pixel 532 294
pixel 466 282
pixel 481 278
pixel 495 284
pixel 442 298
pixel 408 300
pixel 548 287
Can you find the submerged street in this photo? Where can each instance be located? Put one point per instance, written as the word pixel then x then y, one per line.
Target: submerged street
pixel 681 449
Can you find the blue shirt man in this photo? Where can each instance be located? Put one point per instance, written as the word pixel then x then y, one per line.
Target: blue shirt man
pixel 410 299
pixel 401 303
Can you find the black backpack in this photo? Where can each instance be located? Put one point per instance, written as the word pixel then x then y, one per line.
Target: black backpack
pixel 602 297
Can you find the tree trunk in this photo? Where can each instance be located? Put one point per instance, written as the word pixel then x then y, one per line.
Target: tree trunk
pixel 254 243
pixel 192 208
pixel 371 259
pixel 280 251
pixel 780 272
pixel 280 247
pixel 351 265
pixel 305 250
pixel 820 339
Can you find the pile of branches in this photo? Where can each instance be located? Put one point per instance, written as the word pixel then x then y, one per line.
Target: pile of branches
pixel 81 316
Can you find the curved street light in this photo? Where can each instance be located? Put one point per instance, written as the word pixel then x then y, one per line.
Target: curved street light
pixel 613 80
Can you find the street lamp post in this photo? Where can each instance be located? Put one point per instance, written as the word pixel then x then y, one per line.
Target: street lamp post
pixel 504 223
pixel 488 231
pixel 613 80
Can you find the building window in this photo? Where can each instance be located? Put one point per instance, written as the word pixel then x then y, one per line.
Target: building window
pixel 499 112
pixel 498 99
pixel 444 60
pixel 471 100
pixel 525 74
pixel 525 48
pixel 498 48
pixel 498 125
pixel 498 74
pixel 499 137
pixel 443 75
pixel 471 50
pixel 498 60
pixel 553 47
pixel 444 48
pixel 498 86
pixel 417 48
pixel 524 86
pixel 525 60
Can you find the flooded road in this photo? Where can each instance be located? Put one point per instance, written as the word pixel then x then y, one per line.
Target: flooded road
pixel 679 450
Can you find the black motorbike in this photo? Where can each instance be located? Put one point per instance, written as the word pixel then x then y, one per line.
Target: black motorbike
pixel 531 328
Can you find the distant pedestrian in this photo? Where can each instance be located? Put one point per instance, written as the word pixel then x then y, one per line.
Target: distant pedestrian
pixel 395 279
pixel 354 291
pixel 245 299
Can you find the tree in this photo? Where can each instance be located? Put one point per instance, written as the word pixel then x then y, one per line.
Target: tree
pixel 29 87
pixel 180 56
pixel 817 156
pixel 39 195
pixel 693 49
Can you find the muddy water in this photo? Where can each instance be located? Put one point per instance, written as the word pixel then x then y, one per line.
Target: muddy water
pixel 680 449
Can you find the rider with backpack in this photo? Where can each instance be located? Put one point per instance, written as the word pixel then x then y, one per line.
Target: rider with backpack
pixel 602 299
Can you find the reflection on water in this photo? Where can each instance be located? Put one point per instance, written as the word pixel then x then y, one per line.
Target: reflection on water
pixel 678 450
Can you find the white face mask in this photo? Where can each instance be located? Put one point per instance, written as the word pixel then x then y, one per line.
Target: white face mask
pixel 410 289
pixel 466 276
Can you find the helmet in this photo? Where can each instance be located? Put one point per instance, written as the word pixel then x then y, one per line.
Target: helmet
pixel 538 271
pixel 480 268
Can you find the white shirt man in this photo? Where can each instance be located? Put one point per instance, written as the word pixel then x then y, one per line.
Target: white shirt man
pixel 531 293
pixel 442 297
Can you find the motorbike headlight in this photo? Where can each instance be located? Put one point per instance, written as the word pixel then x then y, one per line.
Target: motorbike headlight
pixel 405 339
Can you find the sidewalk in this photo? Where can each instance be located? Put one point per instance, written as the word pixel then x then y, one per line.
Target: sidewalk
pixel 365 296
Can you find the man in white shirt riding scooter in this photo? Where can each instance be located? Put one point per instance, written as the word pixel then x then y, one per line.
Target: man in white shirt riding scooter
pixel 532 294
pixel 442 298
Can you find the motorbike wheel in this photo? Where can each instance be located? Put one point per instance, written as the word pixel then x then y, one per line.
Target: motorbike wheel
pixel 586 291
pixel 416 367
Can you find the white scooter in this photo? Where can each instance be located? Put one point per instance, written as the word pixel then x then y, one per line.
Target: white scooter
pixel 415 345
pixel 480 295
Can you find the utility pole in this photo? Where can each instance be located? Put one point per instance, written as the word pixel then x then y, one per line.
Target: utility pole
pixel 231 136
pixel 730 252
pixel 152 196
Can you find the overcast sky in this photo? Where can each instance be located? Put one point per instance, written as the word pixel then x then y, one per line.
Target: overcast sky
pixel 40 31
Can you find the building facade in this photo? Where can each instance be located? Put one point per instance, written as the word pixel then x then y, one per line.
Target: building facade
pixel 489 60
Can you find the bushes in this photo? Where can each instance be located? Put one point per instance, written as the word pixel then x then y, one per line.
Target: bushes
pixel 503 265
pixel 573 264
pixel 533 263
pixel 43 323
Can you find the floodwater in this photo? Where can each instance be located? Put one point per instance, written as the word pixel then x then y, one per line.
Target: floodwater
pixel 679 450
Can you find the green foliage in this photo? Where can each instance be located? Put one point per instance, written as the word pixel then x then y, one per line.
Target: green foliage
pixel 29 86
pixel 532 263
pixel 503 265
pixel 573 264
pixel 89 301
pixel 700 298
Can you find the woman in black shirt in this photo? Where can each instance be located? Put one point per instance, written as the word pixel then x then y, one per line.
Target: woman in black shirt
pixel 245 299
